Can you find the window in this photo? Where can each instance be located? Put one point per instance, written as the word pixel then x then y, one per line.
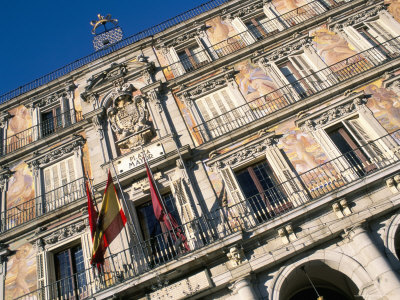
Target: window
pixel 159 241
pixel 60 185
pixel 354 143
pixel 260 187
pixel 376 33
pixel 218 111
pixel 70 273
pixel 192 58
pixel 257 27
pixel 292 76
pixel 55 119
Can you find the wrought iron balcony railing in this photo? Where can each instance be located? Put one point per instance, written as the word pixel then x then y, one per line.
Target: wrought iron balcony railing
pixel 248 37
pixel 223 222
pixel 39 131
pixel 48 202
pixel 299 90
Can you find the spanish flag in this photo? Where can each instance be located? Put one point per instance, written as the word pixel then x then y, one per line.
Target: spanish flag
pixel 109 223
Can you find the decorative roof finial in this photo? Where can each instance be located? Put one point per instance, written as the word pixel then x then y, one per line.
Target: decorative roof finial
pixel 102 21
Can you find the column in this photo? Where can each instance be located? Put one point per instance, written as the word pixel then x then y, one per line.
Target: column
pixel 242 287
pixel 376 263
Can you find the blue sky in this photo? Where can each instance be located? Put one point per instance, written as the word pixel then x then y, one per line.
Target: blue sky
pixel 40 36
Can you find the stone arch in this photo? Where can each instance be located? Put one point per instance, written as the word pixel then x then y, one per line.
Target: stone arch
pixel 335 260
pixel 391 229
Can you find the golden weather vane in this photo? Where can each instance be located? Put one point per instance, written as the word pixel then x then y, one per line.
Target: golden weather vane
pixel 102 21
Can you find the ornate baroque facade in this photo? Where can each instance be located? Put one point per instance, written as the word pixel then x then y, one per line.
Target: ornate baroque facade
pixel 273 132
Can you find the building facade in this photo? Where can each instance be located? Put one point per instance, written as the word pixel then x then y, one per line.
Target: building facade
pixel 272 129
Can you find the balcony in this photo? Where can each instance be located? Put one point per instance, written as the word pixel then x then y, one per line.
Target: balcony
pixel 224 222
pixel 50 201
pixel 298 91
pixel 44 129
pixel 250 36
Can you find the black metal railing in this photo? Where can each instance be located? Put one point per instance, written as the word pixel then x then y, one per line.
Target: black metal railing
pixel 297 91
pixel 225 221
pixel 41 130
pixel 248 37
pixel 101 53
pixel 36 207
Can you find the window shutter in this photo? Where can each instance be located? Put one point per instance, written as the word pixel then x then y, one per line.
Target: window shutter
pixel 274 23
pixel 182 201
pixel 356 38
pixel 40 264
pixel 177 68
pixel 363 138
pixel 202 54
pixel 232 185
pixel 241 28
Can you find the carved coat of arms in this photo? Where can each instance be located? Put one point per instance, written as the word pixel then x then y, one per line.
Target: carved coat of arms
pixel 129 118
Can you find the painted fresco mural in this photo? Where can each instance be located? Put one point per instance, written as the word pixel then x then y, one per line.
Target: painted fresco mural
pixel 394 8
pixel 284 6
pixel 20 193
pixel 221 34
pixel 19 132
pixel 385 104
pixel 21 276
pixel 253 82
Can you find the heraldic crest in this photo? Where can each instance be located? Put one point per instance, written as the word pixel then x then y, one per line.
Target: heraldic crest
pixel 129 118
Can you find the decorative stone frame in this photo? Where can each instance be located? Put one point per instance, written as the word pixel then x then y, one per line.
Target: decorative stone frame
pixel 263 148
pixel 300 46
pixel 47 242
pixel 70 148
pixel 316 124
pixel 225 79
pixel 194 37
pixel 391 228
pixel 346 28
pixel 63 97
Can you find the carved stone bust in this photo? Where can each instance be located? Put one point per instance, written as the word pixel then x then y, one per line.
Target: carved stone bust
pixel 129 118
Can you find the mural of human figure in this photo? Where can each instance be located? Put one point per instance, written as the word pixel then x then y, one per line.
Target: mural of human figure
pixel 253 81
pixel 331 47
pixel 394 8
pixel 385 105
pixel 283 6
pixel 21 273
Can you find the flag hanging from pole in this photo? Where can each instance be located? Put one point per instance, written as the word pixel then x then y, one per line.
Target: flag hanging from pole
pixel 164 216
pixel 110 221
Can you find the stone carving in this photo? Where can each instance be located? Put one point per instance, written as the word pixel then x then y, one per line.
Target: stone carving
pixel 4 119
pixel 284 51
pixel 65 232
pixel 66 92
pixel 334 113
pixel 360 17
pixel 113 72
pixel 129 118
pixel 247 10
pixel 235 255
pixel 39 160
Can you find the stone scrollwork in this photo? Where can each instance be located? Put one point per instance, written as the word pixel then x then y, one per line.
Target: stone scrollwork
pixel 129 118
pixel 236 256
pixel 64 233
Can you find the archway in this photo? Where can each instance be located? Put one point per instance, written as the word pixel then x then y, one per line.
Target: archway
pixel 325 281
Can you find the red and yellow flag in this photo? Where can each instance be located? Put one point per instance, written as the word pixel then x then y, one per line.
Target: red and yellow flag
pixel 109 223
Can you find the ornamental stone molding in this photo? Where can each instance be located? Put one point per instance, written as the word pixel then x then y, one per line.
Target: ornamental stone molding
pixel 236 256
pixel 332 112
pixel 66 232
pixel 164 44
pixel 4 117
pixel 357 18
pixel 67 92
pixel 191 93
pixel 5 174
pixel 244 154
pixel 283 51
pixel 244 11
pixel 392 82
pixel 71 146
pixel 129 117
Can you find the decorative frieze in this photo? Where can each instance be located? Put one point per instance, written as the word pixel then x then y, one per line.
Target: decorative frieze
pixel 66 232
pixel 65 92
pixel 42 159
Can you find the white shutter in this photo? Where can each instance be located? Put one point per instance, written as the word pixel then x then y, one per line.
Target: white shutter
pixel 364 139
pixel 202 54
pixel 177 67
pixel 241 28
pixel 232 186
pixel 360 43
pixel 274 23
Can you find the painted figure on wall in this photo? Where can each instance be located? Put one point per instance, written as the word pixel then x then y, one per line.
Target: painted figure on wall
pixel 394 8
pixel 21 273
pixel 331 47
pixel 20 191
pixel 252 81
pixel 219 30
pixel 17 125
pixel 284 6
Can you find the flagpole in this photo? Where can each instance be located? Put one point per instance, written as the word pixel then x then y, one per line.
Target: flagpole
pixel 94 200
pixel 128 210
pixel 159 195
